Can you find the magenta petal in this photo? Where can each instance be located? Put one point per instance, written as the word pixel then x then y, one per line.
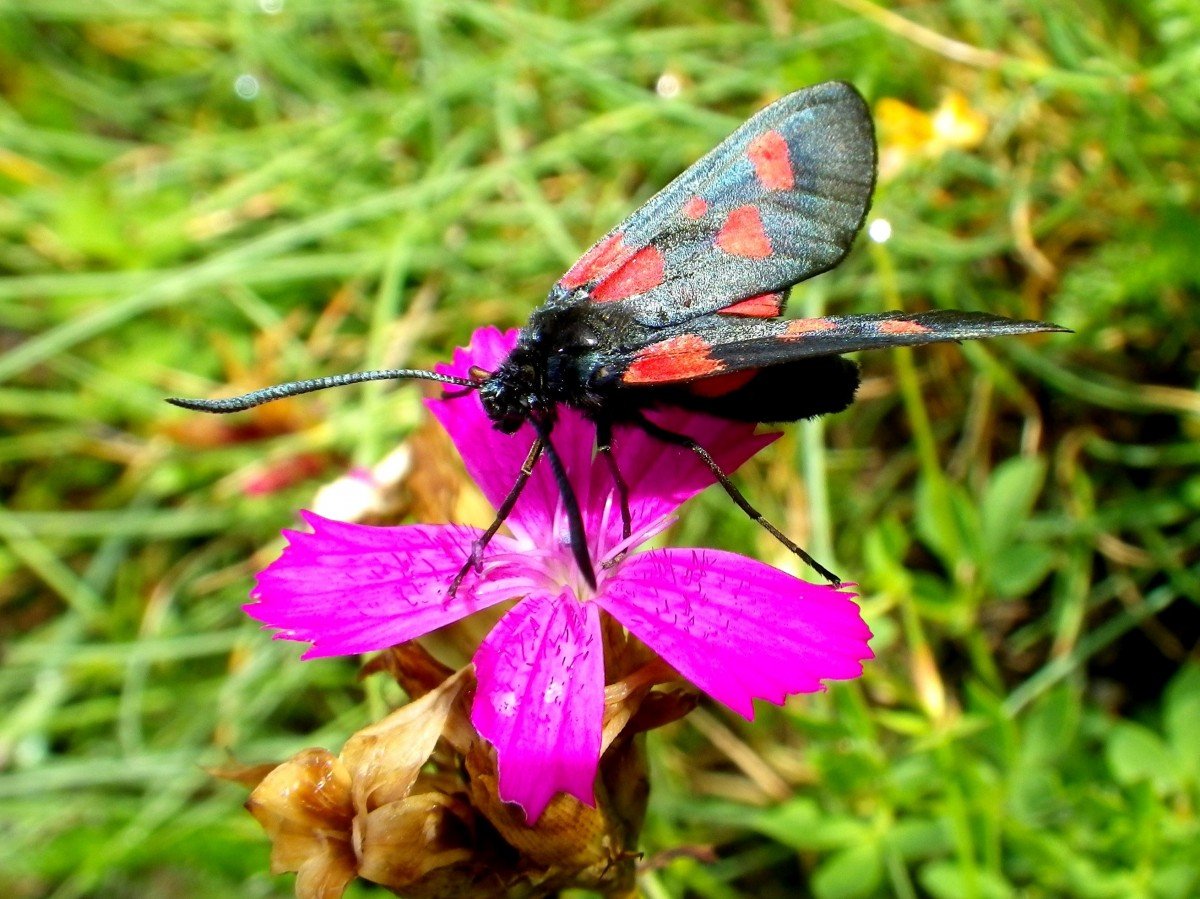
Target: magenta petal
pixel 492 459
pixel 350 588
pixel 540 700
pixel 736 628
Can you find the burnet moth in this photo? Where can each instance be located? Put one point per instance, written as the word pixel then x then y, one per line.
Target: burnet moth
pixel 681 305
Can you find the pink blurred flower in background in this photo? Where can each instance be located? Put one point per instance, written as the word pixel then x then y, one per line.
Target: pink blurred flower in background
pixel 736 628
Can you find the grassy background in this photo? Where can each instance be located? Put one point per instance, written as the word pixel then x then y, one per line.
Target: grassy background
pixel 195 194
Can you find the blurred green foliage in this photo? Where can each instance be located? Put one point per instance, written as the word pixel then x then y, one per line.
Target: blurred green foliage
pixel 194 194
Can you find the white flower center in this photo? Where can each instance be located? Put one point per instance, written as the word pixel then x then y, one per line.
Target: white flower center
pixel 547 561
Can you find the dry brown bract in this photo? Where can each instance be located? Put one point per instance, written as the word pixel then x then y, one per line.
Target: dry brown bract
pixel 411 802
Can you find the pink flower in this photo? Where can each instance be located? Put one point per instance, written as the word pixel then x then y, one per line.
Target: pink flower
pixel 736 628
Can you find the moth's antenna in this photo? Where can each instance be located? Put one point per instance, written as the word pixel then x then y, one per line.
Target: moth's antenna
pixel 294 388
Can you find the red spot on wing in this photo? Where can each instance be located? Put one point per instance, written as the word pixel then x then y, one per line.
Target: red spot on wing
pixel 723 384
pixel 743 234
pixel 765 305
pixel 900 326
pixel 695 207
pixel 801 326
pixel 768 153
pixel 681 358
pixel 596 263
pixel 642 272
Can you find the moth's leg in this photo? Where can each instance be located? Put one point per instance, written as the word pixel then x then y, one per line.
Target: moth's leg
pixel 475 559
pixel 604 436
pixel 686 442
pixel 579 546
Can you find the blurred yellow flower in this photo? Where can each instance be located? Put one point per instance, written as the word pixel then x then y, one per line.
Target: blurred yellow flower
pixel 907 133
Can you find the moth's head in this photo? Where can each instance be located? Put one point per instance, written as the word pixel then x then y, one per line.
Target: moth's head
pixel 509 394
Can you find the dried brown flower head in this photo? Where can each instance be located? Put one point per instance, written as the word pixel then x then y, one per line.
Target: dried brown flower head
pixel 411 802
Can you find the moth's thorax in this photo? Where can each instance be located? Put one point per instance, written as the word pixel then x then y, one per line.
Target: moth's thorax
pixel 559 327
pixel 572 344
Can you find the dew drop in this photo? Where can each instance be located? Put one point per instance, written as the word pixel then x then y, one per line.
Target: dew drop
pixel 246 86
pixel 668 85
pixel 880 230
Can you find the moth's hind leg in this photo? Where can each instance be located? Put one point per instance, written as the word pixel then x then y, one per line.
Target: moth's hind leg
pixel 686 442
